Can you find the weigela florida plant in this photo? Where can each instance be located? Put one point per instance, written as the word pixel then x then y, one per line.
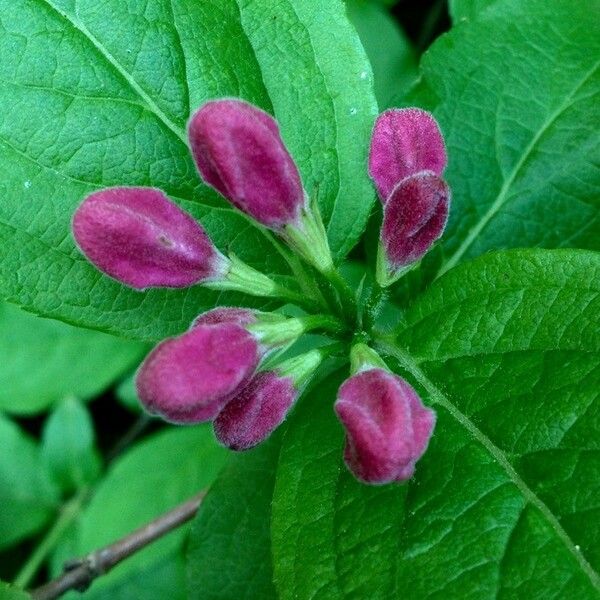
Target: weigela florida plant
pixel 232 366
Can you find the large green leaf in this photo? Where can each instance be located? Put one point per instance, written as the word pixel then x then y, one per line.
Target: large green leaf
pixel 229 554
pixel 28 496
pixel 505 501
pixel 68 446
pixel 148 480
pixel 516 94
pixel 99 94
pixel 43 361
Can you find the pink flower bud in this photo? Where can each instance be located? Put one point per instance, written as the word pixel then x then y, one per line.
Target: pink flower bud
pixel 414 217
pixel 142 239
pixel 190 378
pixel 256 411
pixel 404 142
pixel 226 314
pixel 387 426
pixel 239 152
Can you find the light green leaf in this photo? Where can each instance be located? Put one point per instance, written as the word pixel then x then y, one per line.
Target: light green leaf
pixel 392 57
pixel 150 479
pixel 68 446
pixel 516 94
pixel 8 592
pixel 28 496
pixel 505 501
pixel 127 394
pixel 229 554
pixel 43 361
pixel 100 95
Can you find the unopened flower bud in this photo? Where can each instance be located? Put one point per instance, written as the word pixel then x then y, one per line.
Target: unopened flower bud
pixel 226 314
pixel 256 411
pixel 414 217
pixel 139 237
pixel 190 378
pixel 239 151
pixel 404 142
pixel 387 426
pixel 263 404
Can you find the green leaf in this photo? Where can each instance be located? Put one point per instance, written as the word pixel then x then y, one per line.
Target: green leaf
pixel 504 502
pixel 515 93
pixel 100 96
pixel 8 592
pixel 43 361
pixel 68 446
pixel 467 9
pixel 150 479
pixel 127 394
pixel 28 496
pixel 392 57
pixel 229 553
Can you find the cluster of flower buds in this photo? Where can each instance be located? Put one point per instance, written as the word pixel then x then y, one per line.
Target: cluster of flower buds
pixel 406 160
pixel 387 426
pixel 210 373
pixel 227 367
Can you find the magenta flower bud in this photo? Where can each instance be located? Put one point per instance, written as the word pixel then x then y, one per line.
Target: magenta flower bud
pixel 240 153
pixel 190 378
pixel 387 427
pixel 256 411
pixel 226 314
pixel 404 142
pixel 414 217
pixel 139 237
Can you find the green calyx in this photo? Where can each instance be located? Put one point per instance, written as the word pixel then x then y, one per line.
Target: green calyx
pixel 363 358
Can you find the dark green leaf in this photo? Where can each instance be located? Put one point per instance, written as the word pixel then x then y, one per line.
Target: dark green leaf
pixel 68 446
pixel 516 95
pixel 389 50
pixel 100 96
pixel 504 503
pixel 43 361
pixel 28 496
pixel 229 552
pixel 332 537
pixel 150 479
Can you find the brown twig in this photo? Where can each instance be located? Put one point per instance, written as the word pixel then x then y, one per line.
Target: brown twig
pixel 80 573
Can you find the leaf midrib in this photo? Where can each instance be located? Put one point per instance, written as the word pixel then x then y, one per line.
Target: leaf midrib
pixel 503 194
pixel 149 103
pixel 439 397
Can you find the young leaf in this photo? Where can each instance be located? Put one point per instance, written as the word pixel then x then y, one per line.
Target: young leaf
pixel 44 361
pixel 514 93
pixel 229 553
pixel 28 495
pixel 148 480
pixel 101 96
pixel 505 349
pixel 68 446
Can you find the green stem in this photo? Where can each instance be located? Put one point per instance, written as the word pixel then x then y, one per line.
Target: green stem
pixel 345 294
pixel 374 304
pixel 306 283
pixel 68 513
